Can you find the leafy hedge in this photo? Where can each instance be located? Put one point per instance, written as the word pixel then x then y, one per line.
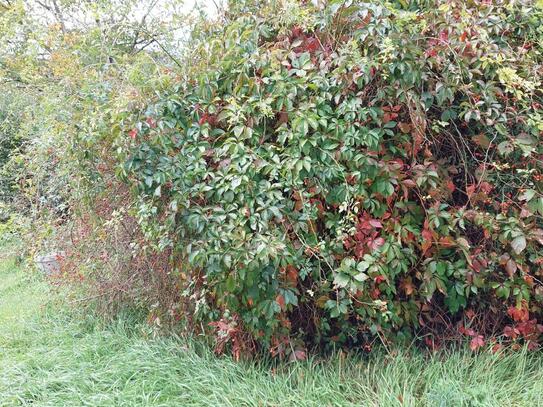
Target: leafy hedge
pixel 330 176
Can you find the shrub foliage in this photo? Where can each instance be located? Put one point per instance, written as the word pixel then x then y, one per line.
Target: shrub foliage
pixel 295 174
pixel 333 175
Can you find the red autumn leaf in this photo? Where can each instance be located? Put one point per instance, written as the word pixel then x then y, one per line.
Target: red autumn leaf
pixel 478 265
pixel 432 343
pixel 359 237
pixel 426 245
pixel 377 243
pixel 296 32
pixel 292 274
pixel 443 36
pixel 529 329
pixel 387 117
pixel 281 301
pixel 375 223
pixel 486 187
pixel 511 332
pixel 298 354
pixel 409 183
pixel 470 190
pixel 375 293
pixel 430 52
pixel 428 237
pixel 447 241
pixel 203 119
pixel 367 224
pixel 312 44
pixel 467 331
pixel 477 342
pixel 359 251
pixel 532 345
pixel 518 314
pixel 497 348
pixel 379 279
pixel 427 233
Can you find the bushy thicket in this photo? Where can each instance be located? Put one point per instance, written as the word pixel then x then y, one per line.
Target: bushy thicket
pixel 69 71
pixel 297 174
pixel 358 171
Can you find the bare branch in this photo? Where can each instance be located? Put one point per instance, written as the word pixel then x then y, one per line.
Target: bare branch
pixel 141 24
pixel 59 15
pixel 7 4
pixel 45 6
pixel 55 10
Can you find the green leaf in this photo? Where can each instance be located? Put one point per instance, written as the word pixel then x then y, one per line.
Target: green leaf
pixel 518 244
pixel 362 266
pixel 527 195
pixel 505 148
pixel 361 277
pixel 342 279
pixel 230 283
pixel 236 182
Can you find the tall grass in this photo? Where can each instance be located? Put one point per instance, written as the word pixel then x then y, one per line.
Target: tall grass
pixel 49 358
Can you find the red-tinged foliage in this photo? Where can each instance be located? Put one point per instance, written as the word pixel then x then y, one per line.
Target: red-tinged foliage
pixel 334 182
pixel 519 314
pixel 208 118
pixel 230 333
pixel 477 342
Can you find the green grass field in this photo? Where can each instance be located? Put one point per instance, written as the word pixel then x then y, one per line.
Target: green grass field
pixel 49 358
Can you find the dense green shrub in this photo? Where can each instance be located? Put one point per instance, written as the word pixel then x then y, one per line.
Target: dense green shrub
pixel 69 72
pixel 333 175
pixel 12 111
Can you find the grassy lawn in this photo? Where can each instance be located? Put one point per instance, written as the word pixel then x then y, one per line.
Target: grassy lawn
pixel 48 358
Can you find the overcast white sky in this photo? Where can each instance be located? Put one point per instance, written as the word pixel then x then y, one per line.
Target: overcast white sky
pixel 158 8
pixel 209 6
